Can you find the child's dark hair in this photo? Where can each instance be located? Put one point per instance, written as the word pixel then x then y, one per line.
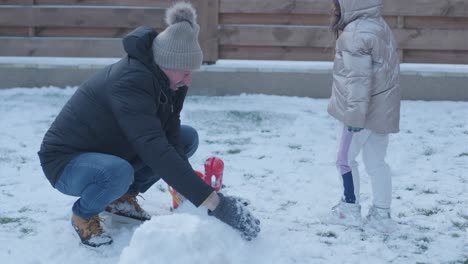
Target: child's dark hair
pixel 336 17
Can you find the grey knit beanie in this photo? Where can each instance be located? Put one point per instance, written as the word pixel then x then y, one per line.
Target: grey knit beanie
pixel 177 46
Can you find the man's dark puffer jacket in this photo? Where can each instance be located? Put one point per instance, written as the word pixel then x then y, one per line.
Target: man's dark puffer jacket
pixel 126 110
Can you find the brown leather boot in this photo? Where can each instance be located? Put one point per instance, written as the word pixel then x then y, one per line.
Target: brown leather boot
pixel 127 206
pixel 90 231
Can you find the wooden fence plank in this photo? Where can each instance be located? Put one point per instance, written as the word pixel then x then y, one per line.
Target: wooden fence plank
pixel 436 22
pixel 306 36
pixel 207 11
pixel 432 39
pixel 158 3
pixel 9 16
pixel 295 36
pixel 273 19
pixel 446 8
pixel 436 56
pixel 68 47
pixel 275 53
pixel 276 7
pixel 83 32
pixel 128 17
pixel 16 2
pixel 450 8
pixel 286 19
pixel 14 31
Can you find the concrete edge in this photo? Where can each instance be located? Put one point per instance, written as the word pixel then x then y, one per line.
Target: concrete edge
pixel 233 77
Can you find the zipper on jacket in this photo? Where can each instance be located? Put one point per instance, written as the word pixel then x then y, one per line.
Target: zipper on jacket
pixel 173 96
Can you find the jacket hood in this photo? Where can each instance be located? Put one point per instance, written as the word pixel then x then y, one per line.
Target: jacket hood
pixel 354 9
pixel 138 44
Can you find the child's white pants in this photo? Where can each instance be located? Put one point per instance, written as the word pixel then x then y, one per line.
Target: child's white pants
pixel 374 149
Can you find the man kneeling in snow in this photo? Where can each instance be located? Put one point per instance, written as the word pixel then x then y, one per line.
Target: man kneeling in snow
pixel 120 133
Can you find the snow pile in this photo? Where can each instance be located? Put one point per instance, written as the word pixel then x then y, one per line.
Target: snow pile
pixel 184 238
pixel 279 153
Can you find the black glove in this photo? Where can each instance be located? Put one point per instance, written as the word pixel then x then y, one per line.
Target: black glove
pixel 233 211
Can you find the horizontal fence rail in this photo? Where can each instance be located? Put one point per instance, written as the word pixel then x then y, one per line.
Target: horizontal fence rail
pixel 429 31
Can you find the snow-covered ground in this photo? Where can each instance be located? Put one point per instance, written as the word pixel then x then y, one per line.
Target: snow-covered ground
pixel 279 153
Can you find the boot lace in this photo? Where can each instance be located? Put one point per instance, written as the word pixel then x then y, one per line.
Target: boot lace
pixel 94 226
pixel 133 200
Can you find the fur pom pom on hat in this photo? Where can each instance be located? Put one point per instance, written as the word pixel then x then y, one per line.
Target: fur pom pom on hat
pixel 177 46
pixel 181 12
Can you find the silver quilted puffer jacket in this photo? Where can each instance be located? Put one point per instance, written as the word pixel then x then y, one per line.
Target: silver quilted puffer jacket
pixel 366 91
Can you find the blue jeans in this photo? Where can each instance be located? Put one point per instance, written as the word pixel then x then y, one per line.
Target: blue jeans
pixel 99 179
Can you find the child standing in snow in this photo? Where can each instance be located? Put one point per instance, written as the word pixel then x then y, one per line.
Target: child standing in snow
pixel 366 100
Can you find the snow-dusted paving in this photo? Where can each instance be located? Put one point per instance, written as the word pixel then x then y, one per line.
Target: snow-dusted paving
pixel 279 153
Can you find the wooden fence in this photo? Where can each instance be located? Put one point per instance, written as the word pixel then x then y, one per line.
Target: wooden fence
pixel 429 31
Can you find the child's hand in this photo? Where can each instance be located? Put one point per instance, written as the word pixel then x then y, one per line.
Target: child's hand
pixel 354 129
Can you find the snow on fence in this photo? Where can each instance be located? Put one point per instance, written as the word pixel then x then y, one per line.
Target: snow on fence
pixel 428 31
